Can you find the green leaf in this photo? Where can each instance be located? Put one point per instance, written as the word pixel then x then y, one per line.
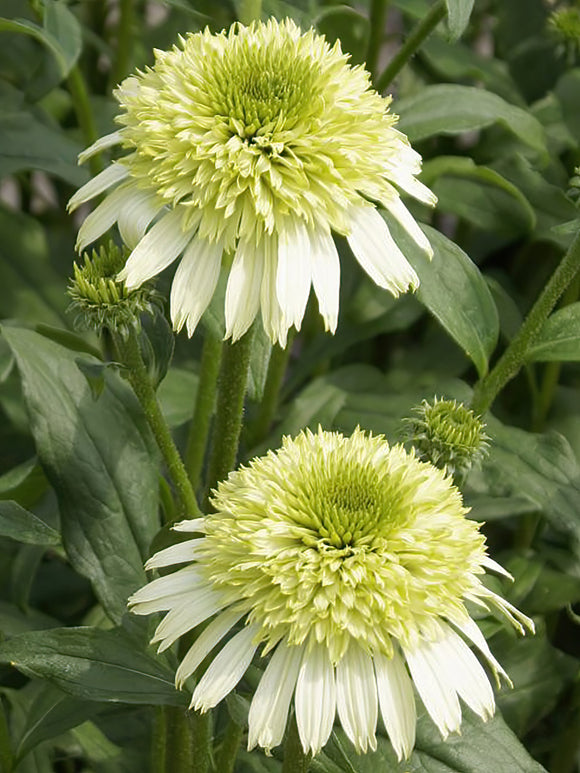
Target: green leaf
pixel 176 395
pixel 25 483
pixel 61 33
pixel 455 292
pixel 100 458
pixel 458 13
pixel 538 588
pixel 479 195
pixel 559 338
pixel 23 526
pixel 14 620
pixel 452 109
pixel 93 664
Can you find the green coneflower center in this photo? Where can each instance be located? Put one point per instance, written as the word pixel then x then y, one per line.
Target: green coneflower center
pixel 348 511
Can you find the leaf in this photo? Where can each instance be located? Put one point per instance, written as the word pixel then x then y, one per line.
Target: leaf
pixel 472 321
pixel 100 458
pixel 23 526
pixel 559 338
pixel 458 13
pixel 93 664
pixel 538 588
pixel 452 109
pixel 478 194
pixel 14 620
pixel 176 395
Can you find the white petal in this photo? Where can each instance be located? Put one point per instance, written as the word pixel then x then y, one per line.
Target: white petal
pixel 315 699
pixel 271 701
pixel 192 610
pixel 226 670
pixel 107 141
pixel 110 176
pixel 156 250
pixel 459 666
pixel 193 524
pixel 243 290
pixel 356 698
pixel 438 695
pixel 166 588
pixel 274 325
pixel 397 702
pixel 136 215
pixel 471 630
pixel 376 251
pixel 326 277
pixel 103 216
pixel 495 567
pixel 294 275
pixel 205 643
pixel 406 219
pixel 408 183
pixel 194 283
pixel 176 554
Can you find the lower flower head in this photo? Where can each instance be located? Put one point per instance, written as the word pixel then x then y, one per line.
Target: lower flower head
pixel 350 561
pixel 257 143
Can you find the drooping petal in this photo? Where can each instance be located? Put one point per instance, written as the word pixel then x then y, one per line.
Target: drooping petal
pixel 112 175
pixel 406 219
pixel 438 695
pixel 397 702
pixel 104 142
pixel 356 698
pixel 194 283
pixel 205 643
pixel 226 670
pixel 103 216
pixel 274 324
pixel 243 289
pixel 271 701
pixel 470 629
pixel 176 554
pixel 136 215
pixel 190 525
pixel 315 699
pixel 192 610
pixel 326 277
pixel 156 250
pixel 165 589
pixel 376 251
pixel 294 275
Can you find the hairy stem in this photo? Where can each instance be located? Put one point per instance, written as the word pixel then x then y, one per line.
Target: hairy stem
pixel 228 753
pixel 378 15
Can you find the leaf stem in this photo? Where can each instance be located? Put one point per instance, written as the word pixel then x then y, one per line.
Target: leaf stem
pixel 204 406
pixel 295 760
pixel 226 758
pixel 84 113
pixel 232 383
pixel 377 18
pixel 418 34
pixel 488 388
pixel 131 356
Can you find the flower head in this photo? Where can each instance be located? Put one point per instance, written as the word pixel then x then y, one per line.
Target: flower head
pixel 257 144
pixel 350 561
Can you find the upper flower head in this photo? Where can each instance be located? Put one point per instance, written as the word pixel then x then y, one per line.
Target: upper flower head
pixel 257 143
pixel 352 561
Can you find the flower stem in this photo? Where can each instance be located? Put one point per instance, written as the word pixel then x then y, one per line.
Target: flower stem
pixel 201 726
pixel 204 406
pixel 249 10
pixel 418 34
pixel 232 383
pixel 130 353
pixel 514 356
pixel 84 113
pixel 226 758
pixel 179 753
pixel 295 760
pixel 378 15
pixel 124 43
pixel 276 371
pixel 159 741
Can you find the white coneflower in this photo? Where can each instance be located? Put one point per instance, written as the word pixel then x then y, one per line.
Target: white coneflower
pixel 350 561
pixel 256 144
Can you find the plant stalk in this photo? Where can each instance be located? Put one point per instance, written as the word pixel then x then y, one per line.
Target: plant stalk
pixel 276 371
pixel 84 114
pixel 377 18
pixel 124 43
pixel 228 753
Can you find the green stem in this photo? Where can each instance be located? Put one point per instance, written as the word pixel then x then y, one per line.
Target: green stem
pixel 201 726
pixel 295 760
pixel 159 741
pixel 378 16
pixel 232 383
pixel 84 113
pixel 139 378
pixel 418 34
pixel 514 356
pixel 249 10
pixel 228 752
pixel 179 755
pixel 204 407
pixel 124 43
pixel 276 371
pixel 6 756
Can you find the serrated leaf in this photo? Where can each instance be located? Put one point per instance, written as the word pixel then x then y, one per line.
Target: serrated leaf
pixel 100 458
pixel 458 13
pixel 93 664
pixel 23 526
pixel 559 338
pixel 452 109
